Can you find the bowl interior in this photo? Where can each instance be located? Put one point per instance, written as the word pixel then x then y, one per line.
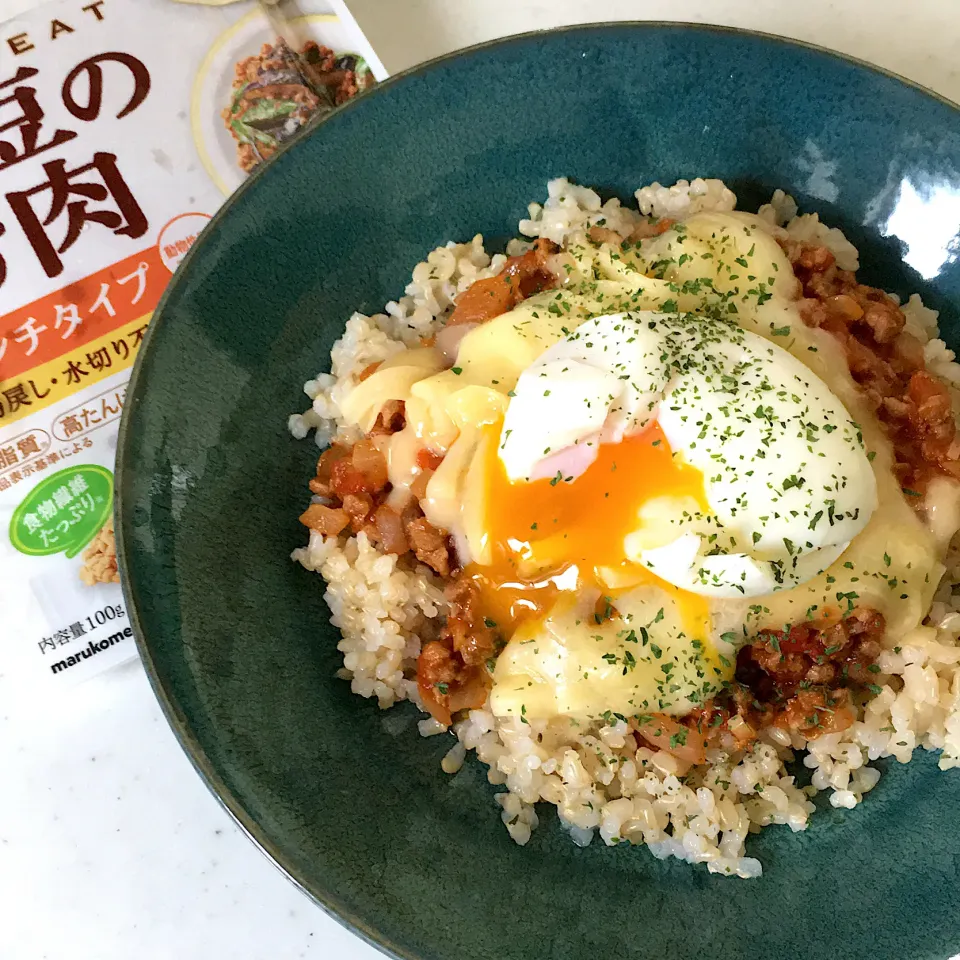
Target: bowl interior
pixel 349 800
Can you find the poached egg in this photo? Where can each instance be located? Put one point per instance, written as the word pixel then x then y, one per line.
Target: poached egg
pixel 776 479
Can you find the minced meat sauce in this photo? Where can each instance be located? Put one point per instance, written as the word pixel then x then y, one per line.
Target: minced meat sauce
pixel 888 364
pixel 454 671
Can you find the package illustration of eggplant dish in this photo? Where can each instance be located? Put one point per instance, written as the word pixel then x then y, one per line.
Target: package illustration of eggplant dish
pixel 277 91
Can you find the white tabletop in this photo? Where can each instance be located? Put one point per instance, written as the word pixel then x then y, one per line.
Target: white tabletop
pixel 111 848
pixel 917 38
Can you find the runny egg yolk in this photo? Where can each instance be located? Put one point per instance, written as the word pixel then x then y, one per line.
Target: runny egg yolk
pixel 555 535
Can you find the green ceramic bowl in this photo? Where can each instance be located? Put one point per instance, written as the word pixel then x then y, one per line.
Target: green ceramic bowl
pixel 348 801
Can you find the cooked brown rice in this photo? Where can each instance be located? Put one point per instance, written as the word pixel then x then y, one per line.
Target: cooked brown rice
pixel 601 785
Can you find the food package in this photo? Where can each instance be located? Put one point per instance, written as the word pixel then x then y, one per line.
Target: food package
pixel 124 124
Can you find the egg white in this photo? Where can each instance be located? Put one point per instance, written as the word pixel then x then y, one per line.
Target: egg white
pixel 787 479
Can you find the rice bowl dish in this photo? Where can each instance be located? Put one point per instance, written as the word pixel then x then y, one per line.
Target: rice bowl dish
pixel 644 509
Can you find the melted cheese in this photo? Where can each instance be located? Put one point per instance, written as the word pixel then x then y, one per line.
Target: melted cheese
pixel 392 380
pixel 564 662
pixel 649 658
pixel 469 410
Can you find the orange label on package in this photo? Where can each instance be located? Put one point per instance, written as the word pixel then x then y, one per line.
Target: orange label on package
pixel 80 313
pixel 83 367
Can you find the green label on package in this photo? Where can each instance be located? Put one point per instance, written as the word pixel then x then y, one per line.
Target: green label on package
pixel 62 513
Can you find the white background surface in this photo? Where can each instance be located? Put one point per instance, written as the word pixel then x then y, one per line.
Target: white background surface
pixel 111 848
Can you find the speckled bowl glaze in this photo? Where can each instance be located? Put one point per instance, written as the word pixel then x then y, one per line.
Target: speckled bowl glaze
pixel 348 801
